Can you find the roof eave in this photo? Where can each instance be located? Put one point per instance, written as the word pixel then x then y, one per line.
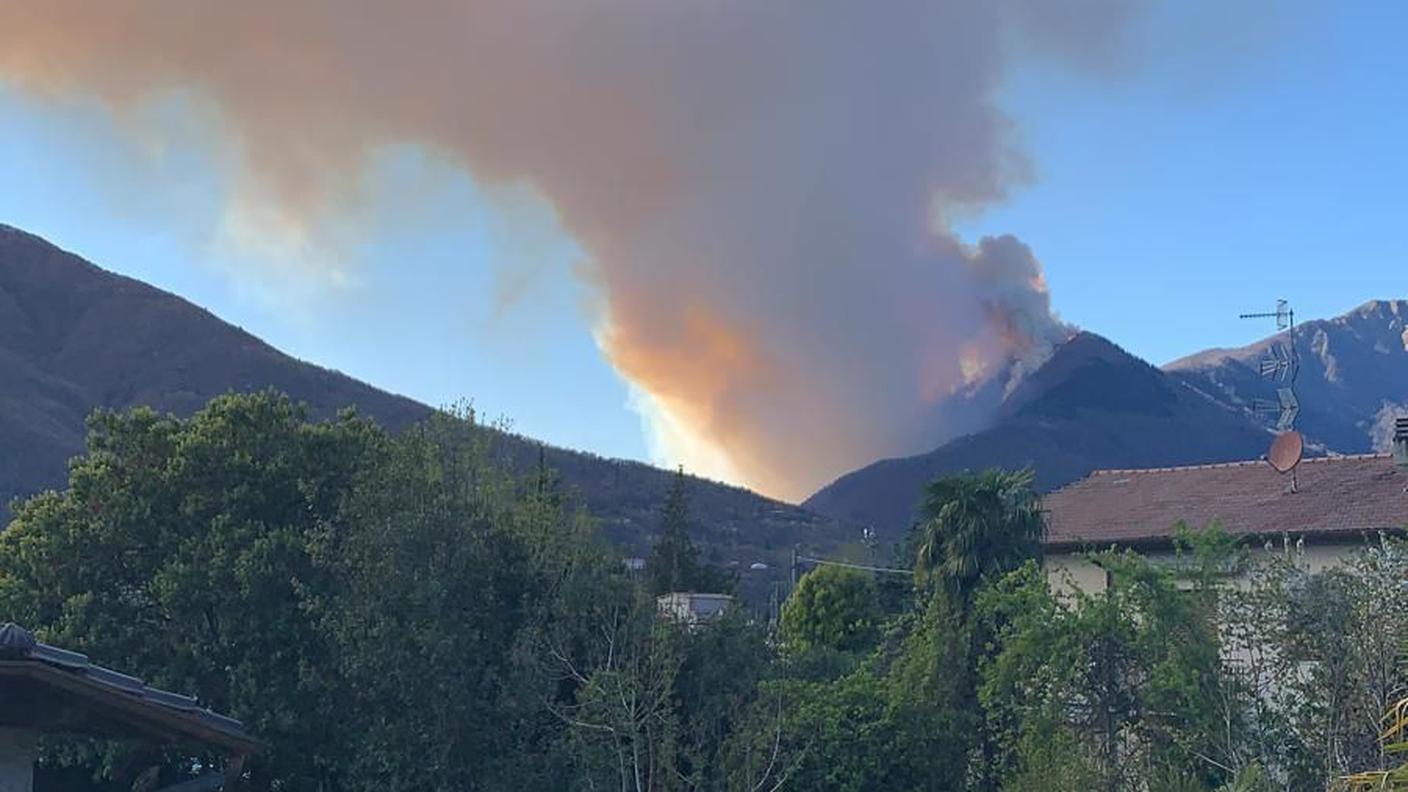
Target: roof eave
pixel 152 718
pixel 1165 541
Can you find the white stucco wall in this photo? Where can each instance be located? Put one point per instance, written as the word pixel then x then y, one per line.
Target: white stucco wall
pixel 17 754
pixel 1069 572
pixel 1065 571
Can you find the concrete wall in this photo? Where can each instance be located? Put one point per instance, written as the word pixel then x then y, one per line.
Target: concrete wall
pixel 1068 571
pixel 17 754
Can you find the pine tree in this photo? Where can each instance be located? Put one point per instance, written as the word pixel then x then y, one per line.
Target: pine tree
pixel 674 560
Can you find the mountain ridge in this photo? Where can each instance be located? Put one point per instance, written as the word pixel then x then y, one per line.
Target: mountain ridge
pixel 1065 419
pixel 75 337
pixel 1353 373
pixel 1092 404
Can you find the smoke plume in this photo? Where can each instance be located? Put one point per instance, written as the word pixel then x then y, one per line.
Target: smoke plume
pixel 760 187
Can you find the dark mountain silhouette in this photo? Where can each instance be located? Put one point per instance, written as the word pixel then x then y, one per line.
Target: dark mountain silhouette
pixel 1091 405
pixel 74 337
pixel 1353 376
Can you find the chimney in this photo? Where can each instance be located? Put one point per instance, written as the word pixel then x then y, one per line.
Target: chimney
pixel 1400 443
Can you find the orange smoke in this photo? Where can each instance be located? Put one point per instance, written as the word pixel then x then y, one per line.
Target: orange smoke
pixel 752 181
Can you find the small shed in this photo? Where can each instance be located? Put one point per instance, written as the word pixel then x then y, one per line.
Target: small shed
pixel 45 689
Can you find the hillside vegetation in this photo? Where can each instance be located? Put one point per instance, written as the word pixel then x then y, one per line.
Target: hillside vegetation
pixel 74 338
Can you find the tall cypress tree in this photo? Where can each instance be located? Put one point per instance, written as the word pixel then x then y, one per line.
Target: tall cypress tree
pixel 674 560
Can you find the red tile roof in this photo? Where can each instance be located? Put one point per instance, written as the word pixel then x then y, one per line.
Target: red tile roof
pixel 1346 495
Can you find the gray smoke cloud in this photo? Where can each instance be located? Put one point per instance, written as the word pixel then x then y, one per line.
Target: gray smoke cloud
pixel 760 187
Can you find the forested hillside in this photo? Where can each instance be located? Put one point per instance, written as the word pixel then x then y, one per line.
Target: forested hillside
pixel 74 338
pixel 1092 405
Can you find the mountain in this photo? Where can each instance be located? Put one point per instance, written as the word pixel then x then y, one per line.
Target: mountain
pixel 74 337
pixel 1353 375
pixel 1091 405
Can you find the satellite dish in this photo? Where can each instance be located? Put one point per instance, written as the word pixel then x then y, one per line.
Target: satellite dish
pixel 1286 451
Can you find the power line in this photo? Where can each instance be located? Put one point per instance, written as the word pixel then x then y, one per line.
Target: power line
pixel 865 567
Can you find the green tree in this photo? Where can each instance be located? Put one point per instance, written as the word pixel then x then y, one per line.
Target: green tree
pixel 379 610
pixel 723 668
pixel 656 701
pixel 623 719
pixel 833 608
pixel 180 552
pixel 447 578
pixel 1127 679
pixel 974 527
pixel 860 731
pixel 674 563
pixel 1320 658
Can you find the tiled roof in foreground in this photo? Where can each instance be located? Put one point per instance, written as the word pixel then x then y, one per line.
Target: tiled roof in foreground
pixel 66 681
pixel 1346 495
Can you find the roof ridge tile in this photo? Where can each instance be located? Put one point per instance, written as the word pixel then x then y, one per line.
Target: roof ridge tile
pixel 1232 464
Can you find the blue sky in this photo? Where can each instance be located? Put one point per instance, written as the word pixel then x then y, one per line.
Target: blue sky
pixel 1222 166
pixel 424 315
pixel 1228 170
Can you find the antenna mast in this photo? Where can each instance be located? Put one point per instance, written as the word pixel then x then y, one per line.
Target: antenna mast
pixel 1282 366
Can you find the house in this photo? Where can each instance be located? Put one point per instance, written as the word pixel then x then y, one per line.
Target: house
pixel 1323 511
pixel 45 690
pixel 693 608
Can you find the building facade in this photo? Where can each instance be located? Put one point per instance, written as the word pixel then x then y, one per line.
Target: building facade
pixel 693 608
pixel 1322 512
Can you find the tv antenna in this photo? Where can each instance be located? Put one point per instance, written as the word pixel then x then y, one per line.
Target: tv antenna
pixel 1281 366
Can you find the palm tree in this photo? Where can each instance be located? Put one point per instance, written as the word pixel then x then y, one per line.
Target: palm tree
pixel 974 526
pixel 1394 740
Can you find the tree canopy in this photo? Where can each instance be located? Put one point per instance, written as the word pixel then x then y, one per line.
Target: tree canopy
pixel 674 563
pixel 832 608
pixel 975 527
pixel 399 613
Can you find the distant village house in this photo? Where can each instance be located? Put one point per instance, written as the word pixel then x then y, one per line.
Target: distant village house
pixel 693 608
